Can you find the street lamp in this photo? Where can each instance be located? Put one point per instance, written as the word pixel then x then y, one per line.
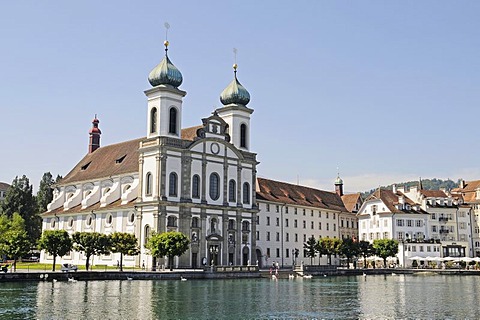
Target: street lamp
pixel 214 253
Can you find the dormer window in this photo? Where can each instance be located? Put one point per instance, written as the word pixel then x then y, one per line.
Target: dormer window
pixel 85 166
pixel 119 160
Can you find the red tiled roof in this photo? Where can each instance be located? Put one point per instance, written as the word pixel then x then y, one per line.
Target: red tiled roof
pixel 276 191
pixel 433 193
pixel 390 199
pixel 350 200
pixel 470 191
pixel 112 160
pixel 190 133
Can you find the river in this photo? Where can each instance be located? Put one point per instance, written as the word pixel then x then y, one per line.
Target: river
pixel 352 297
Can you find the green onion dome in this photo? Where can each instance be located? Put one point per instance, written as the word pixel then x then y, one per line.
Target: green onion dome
pixel 235 92
pixel 338 180
pixel 165 72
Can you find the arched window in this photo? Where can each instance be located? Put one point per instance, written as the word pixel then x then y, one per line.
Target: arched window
pixel 194 222
pixel 172 186
pixel 147 234
pixel 172 125
pixel 243 135
pixel 232 190
pixel 153 120
pixel 214 186
pixel 196 186
pixel 246 193
pixel 148 184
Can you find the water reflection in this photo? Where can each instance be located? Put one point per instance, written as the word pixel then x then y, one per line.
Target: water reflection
pixel 384 297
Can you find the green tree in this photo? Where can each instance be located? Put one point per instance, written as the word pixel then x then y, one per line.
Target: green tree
pixel 124 243
pixel 366 250
pixel 14 241
pixel 349 249
pixel 90 244
pixel 168 244
pixel 55 243
pixel 45 192
pixel 310 248
pixel 385 248
pixel 329 247
pixel 20 199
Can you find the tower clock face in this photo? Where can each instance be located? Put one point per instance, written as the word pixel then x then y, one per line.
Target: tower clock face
pixel 215 148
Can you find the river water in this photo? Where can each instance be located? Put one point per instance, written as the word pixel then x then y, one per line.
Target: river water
pixel 355 297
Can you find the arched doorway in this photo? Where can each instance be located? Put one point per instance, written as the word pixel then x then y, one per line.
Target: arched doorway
pixel 245 252
pixel 259 258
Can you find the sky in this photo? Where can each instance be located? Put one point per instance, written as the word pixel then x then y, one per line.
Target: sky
pixel 379 91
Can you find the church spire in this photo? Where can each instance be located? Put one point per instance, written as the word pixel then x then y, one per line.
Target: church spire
pixel 94 136
pixel 339 185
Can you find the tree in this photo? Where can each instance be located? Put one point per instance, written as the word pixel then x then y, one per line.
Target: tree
pixel 14 241
pixel 168 244
pixel 385 248
pixel 45 192
pixel 20 199
pixel 310 248
pixel 55 243
pixel 124 243
pixel 349 249
pixel 366 250
pixel 91 243
pixel 328 246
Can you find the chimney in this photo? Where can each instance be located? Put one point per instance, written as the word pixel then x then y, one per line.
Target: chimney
pixel 394 188
pixel 94 136
pixel 461 184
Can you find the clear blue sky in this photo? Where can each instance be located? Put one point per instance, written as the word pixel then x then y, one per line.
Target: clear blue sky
pixel 384 90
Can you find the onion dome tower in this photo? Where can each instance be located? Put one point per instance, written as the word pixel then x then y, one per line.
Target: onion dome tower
pixel 235 112
pixel 94 133
pixel 339 185
pixel 164 99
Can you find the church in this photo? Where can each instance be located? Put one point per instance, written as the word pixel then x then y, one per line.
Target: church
pixel 200 181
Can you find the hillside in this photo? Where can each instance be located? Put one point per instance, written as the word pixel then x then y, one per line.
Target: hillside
pixel 427 184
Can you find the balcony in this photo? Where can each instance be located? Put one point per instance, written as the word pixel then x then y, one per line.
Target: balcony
pixel 443 219
pixel 444 231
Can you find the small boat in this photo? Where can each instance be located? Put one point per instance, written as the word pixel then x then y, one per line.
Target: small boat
pixel 291 276
pixel 129 278
pixel 364 274
pixel 308 276
pixel 274 277
pixel 71 280
pixel 183 279
pixel 394 274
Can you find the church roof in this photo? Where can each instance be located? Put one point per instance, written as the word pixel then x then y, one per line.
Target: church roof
pixel 111 160
pixel 235 92
pixel 165 73
pixel 350 200
pixel 190 133
pixel 276 191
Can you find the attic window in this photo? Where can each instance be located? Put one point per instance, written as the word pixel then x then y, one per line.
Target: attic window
pixel 119 160
pixel 85 166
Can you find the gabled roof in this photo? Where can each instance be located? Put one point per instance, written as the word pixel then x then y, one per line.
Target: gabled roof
pixel 469 192
pixel 282 192
pixel 350 200
pixel 390 200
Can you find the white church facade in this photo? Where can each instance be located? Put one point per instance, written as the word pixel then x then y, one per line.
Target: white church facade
pixel 199 181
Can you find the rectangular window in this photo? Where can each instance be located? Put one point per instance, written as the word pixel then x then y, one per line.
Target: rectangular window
pixel 327 226
pixel 319 226
pixel 400 235
pixel 295 224
pixel 304 224
pixel 268 221
pixel 287 237
pixel 326 215
pixel 278 253
pixel 295 211
pixel 434 228
pixel 414 248
pixel 258 219
pixel 304 211
pixel 311 213
pixel 385 235
pixel 277 236
pixel 286 209
pixel 319 214
pixel 433 216
pixel 278 222
pixel 341 223
pixel 304 238
pixel 429 248
pixel 421 248
pixel 286 223
pixel 268 207
pixel 287 253
pixel 268 252
pixel 400 222
pixel 311 225
pixel 409 223
pixel 268 235
pixel 258 235
pixel 334 227
pixel 296 237
pixel 419 223
pixel 277 208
